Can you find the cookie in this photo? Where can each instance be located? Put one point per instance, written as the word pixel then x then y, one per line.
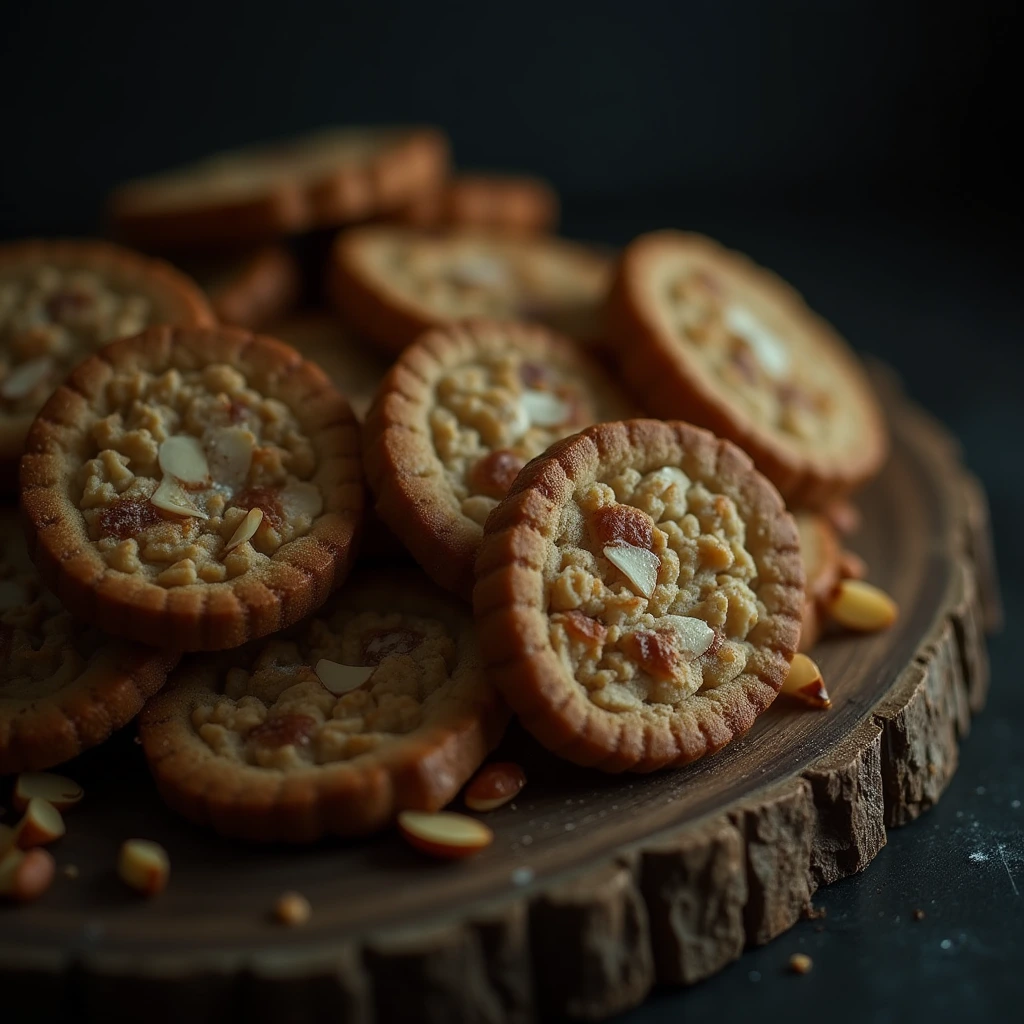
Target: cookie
pixel 456 419
pixel 706 335
pixel 355 367
pixel 253 289
pixel 492 202
pixel 59 301
pixel 393 283
pixel 639 595
pixel 64 687
pixel 287 739
pixel 262 192
pixel 193 488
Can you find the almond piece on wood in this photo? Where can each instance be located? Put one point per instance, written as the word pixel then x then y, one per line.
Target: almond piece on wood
pixel 144 865
pixel 41 825
pixel 26 874
pixel 444 834
pixel 62 792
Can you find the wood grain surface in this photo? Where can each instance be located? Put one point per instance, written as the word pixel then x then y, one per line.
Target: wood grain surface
pixel 596 887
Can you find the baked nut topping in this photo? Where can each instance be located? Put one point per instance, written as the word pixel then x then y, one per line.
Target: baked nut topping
pixel 375 703
pixel 639 594
pixel 60 301
pixel 197 460
pixel 706 335
pixel 393 283
pixel 144 866
pixel 457 418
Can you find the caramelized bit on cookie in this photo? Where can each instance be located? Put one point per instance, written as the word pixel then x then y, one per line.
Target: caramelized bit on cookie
pixel 533 375
pixel 622 524
pixel 266 498
pixel 128 517
pixel 742 357
pixel 495 473
pixel 583 627
pixel 654 652
pixel 384 642
pixel 67 303
pixel 285 730
pixel 494 785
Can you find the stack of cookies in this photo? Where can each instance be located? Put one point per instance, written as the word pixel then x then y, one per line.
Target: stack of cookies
pixel 564 475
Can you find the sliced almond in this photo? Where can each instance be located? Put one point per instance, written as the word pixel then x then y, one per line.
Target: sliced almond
pixel 638 565
pixel 544 409
pixel 171 497
pixel 144 865
pixel 26 875
pixel 24 379
pixel 341 679
pixel 444 834
pixel 6 839
pixel 673 476
pixel 479 272
pixel 58 790
pixel 12 595
pixel 292 909
pixel 861 606
pixel 229 454
pixel 494 786
pixel 299 498
pixel 41 825
pixel 694 636
pixel 805 683
pixel 771 352
pixel 246 528
pixel 182 456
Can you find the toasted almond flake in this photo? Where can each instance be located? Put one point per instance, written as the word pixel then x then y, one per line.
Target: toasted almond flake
pixel 171 497
pixel 299 498
pixel 341 679
pixel 695 635
pixel 805 683
pixel 638 565
pixel 144 865
pixel 861 606
pixel 182 456
pixel 229 453
pixel 62 792
pixel 24 379
pixel 771 353
pixel 800 963
pixel 246 528
pixel 12 595
pixel 544 409
pixel 479 272
pixel 41 825
pixel 494 786
pixel 444 834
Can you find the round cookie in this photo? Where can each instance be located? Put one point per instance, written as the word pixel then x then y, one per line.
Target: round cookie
pixel 64 687
pixel 59 301
pixel 394 283
pixel 456 419
pixel 639 595
pixel 490 202
pixel 706 335
pixel 193 488
pixel 320 180
pixel 255 745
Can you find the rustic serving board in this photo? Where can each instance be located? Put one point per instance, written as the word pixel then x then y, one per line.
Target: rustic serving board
pixel 597 887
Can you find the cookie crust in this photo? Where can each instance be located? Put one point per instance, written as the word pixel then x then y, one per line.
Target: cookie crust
pixel 262 192
pixel 514 589
pixel 300 792
pixel 64 687
pixel 170 295
pixel 255 289
pixel 266 593
pixel 806 365
pixel 392 283
pixel 420 497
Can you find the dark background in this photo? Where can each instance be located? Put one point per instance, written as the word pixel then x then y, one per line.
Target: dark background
pixel 861 149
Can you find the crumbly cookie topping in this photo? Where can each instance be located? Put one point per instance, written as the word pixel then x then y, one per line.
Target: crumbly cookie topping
pixel 50 321
pixel 652 598
pixel 754 363
pixel 277 714
pixel 495 413
pixel 180 462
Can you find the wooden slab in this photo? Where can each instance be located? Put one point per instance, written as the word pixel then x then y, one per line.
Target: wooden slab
pixel 597 887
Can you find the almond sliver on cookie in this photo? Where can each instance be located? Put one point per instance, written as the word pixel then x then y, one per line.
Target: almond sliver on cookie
pixel 26 378
pixel 341 679
pixel 638 565
pixel 246 528
pixel 182 456
pixel 229 452
pixel 695 636
pixel 299 498
pixel 544 409
pixel 771 353
pixel 171 497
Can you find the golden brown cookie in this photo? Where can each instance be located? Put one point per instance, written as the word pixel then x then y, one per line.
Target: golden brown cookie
pixel 320 180
pixel 64 687
pixel 639 595
pixel 355 367
pixel 252 289
pixel 393 283
pixel 456 419
pixel 59 301
pixel 193 488
pixel 491 202
pixel 375 705
pixel 704 334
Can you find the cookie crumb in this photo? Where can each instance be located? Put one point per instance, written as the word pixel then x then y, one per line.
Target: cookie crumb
pixel 919 915
pixel 800 963
pixel 70 871
pixel 292 909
